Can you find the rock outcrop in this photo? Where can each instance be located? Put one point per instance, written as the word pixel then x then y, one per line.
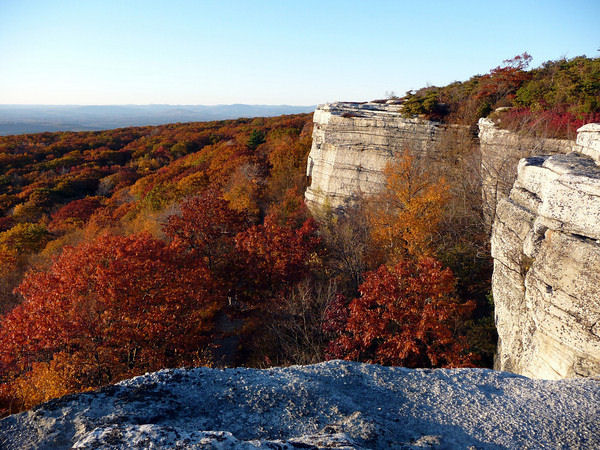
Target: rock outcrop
pixel 337 404
pixel 352 144
pixel 546 250
pixel 501 151
pixel 588 141
pixel 545 244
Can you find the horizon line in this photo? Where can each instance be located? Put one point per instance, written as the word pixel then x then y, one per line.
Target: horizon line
pixel 153 104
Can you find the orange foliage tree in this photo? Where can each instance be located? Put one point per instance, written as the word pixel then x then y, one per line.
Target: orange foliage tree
pixel 406 315
pixel 244 189
pixel 287 158
pixel 404 217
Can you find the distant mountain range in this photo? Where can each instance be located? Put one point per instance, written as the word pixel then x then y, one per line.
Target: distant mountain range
pixel 20 119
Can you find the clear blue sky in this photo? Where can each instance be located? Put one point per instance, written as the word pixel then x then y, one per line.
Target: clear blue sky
pixel 271 52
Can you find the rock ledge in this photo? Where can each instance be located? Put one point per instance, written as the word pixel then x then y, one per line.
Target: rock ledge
pixel 329 405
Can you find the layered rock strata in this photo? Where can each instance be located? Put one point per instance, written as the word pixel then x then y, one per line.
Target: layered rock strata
pixel 352 144
pixel 501 151
pixel 546 281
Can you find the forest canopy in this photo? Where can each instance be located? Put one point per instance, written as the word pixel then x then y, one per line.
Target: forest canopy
pixel 552 100
pixel 131 250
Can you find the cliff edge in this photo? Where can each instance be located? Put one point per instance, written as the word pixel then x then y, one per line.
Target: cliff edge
pixel 546 250
pixel 352 144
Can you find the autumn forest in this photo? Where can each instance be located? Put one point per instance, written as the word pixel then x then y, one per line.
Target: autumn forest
pixel 135 249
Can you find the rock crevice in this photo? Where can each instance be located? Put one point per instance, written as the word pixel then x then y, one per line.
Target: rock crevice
pixel 545 240
pixel 501 150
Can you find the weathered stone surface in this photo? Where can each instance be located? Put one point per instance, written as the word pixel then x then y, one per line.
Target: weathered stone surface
pixel 513 225
pixel 352 144
pixel 546 280
pixel 568 188
pixel 332 405
pixel 501 151
pixel 588 140
pixel 510 314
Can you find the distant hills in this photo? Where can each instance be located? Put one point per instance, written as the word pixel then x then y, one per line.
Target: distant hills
pixel 19 119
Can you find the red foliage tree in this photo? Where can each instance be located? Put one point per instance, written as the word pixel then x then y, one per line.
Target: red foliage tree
pixel 405 316
pixel 75 213
pixel 277 256
pixel 121 305
pixel 503 81
pixel 557 122
pixel 273 258
pixel 206 229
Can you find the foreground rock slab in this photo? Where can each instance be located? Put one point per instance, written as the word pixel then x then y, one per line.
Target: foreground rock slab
pixel 329 405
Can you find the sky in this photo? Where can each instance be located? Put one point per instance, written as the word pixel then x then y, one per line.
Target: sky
pixel 271 52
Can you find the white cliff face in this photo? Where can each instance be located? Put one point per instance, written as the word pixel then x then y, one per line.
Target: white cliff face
pixel 352 144
pixel 546 282
pixel 545 242
pixel 588 140
pixel 501 151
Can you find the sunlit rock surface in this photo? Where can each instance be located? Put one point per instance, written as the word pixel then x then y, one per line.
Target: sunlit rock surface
pixel 329 405
pixel 588 141
pixel 546 281
pixel 352 144
pixel 501 151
